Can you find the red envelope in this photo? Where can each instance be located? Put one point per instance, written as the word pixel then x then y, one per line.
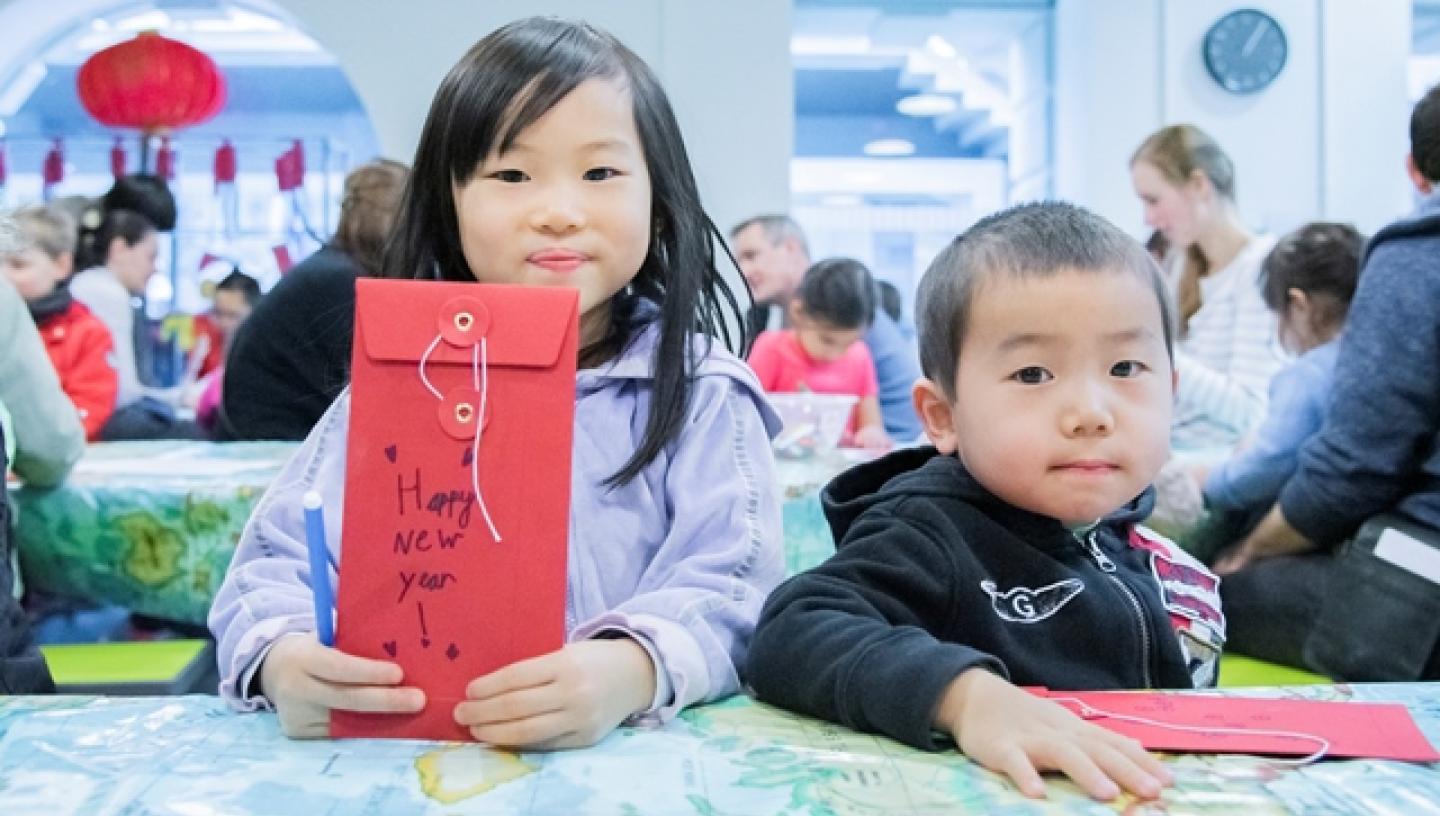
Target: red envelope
pixel 423 582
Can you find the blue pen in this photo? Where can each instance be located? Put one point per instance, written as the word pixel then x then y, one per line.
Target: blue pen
pixel 319 569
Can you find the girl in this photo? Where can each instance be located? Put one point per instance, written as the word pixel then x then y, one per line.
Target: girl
pixel 1187 185
pixel 822 351
pixel 1309 280
pixel 551 157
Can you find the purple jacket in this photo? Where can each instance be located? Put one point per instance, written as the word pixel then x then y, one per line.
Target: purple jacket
pixel 681 558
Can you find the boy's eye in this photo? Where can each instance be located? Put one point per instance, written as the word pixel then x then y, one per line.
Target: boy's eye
pixel 1032 375
pixel 509 176
pixel 601 173
pixel 1127 369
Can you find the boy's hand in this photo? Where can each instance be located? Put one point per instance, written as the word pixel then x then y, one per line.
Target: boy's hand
pixel 306 681
pixel 566 699
pixel 1013 732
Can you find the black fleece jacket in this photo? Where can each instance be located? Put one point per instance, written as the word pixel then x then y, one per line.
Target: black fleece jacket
pixel 934 575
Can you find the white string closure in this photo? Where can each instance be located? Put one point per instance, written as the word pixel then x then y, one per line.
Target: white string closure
pixel 480 376
pixel 1090 712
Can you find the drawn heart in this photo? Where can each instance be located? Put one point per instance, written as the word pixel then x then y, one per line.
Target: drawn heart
pixel 467 457
pixel 452 652
pixel 389 647
pixel 390 454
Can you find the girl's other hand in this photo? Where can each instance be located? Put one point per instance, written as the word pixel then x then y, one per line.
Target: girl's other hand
pixel 570 698
pixel 306 681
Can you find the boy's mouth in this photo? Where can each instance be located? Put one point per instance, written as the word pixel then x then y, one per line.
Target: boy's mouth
pixel 1087 467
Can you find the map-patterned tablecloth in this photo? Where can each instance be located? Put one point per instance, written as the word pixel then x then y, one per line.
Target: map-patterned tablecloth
pixel 152 526
pixel 189 755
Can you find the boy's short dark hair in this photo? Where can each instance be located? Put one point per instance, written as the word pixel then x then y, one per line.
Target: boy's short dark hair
pixel 1425 134
pixel 1027 241
pixel 238 281
pixel 840 292
pixel 1322 258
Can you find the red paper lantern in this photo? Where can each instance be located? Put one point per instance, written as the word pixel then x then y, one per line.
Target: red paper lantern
pixel 152 83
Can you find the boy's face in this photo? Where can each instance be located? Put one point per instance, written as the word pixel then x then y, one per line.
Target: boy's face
pixel 823 342
pixel 34 273
pixel 1065 392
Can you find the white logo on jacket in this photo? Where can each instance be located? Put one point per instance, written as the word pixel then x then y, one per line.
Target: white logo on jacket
pixel 1024 605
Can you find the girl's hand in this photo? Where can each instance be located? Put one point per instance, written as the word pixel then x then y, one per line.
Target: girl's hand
pixel 1013 732
pixel 566 699
pixel 872 437
pixel 306 680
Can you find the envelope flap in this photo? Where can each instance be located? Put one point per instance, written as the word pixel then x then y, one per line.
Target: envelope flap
pixel 522 325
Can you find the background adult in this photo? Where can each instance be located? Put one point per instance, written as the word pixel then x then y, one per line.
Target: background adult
pixel 291 357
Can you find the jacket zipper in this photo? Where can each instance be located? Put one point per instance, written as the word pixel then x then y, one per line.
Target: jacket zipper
pixel 1108 567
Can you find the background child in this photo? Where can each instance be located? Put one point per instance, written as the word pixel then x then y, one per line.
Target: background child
pixel 77 342
pixel 1308 281
pixel 996 557
pixel 822 352
pixel 551 157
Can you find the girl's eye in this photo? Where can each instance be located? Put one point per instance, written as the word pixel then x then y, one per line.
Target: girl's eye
pixel 509 176
pixel 1032 375
pixel 601 173
pixel 1127 369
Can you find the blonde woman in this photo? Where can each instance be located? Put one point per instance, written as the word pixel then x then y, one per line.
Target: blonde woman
pixel 1187 186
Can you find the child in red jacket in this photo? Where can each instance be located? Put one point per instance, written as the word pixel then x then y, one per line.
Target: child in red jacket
pixel 79 345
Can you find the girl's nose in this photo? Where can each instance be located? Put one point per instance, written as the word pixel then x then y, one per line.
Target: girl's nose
pixel 558 214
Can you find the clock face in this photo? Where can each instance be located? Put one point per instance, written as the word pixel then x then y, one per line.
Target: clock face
pixel 1245 50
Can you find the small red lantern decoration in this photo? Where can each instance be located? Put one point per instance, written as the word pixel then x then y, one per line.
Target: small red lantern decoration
pixel 152 83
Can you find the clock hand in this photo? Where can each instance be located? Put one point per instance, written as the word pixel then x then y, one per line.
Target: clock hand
pixel 1254 39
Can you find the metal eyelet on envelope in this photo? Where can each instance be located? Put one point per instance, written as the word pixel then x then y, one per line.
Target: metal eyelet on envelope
pixel 458 413
pixel 462 321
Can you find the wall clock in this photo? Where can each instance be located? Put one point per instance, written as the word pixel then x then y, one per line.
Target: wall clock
pixel 1245 50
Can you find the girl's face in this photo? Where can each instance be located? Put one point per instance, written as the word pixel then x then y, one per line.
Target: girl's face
pixel 1169 207
pixel 567 205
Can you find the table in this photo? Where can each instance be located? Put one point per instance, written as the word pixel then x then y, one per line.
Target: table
pixel 152 526
pixel 188 755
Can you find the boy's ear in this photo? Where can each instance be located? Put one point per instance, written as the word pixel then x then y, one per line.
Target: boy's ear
pixel 1422 185
pixel 1297 302
pixel 66 262
pixel 933 408
pixel 795 311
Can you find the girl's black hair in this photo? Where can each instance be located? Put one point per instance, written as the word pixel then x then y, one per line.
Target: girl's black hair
pixel 840 292
pixel 1321 258
pixel 505 83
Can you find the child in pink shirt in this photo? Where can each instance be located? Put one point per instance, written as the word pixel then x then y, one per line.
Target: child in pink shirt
pixel 821 350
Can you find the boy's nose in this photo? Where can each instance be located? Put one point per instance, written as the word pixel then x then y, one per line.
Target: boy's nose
pixel 1088 413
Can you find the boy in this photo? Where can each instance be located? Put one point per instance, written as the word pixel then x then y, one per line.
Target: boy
pixel 1009 553
pixel 79 345
pixel 822 350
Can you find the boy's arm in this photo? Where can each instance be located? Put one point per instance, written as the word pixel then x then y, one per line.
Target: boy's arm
pixel 852 640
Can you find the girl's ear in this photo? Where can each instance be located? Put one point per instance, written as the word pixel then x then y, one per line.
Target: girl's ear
pixel 796 311
pixel 933 408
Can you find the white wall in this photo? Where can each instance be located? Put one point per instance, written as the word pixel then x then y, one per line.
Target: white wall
pixel 725 65
pixel 1326 140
